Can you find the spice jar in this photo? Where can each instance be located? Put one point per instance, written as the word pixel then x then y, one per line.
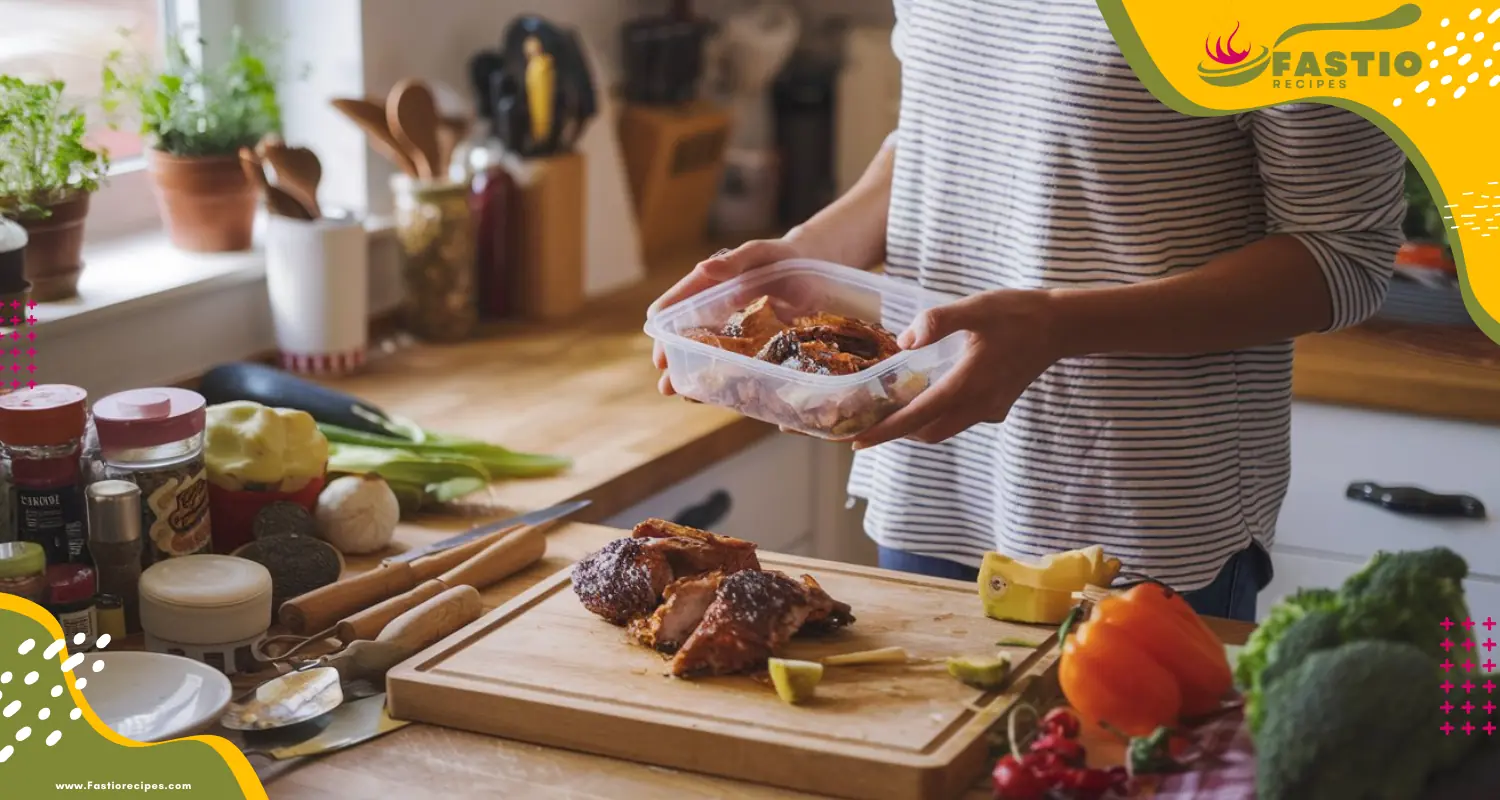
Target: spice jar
pixel 154 439
pixel 41 434
pixel 435 226
pixel 70 598
pixel 109 613
pixel 115 542
pixel 23 570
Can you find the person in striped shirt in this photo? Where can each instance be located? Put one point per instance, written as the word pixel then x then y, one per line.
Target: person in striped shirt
pixel 1129 280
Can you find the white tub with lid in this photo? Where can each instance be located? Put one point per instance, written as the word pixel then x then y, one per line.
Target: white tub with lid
pixel 211 608
pixel 825 406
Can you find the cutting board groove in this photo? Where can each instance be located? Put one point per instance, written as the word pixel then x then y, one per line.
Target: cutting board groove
pixel 542 669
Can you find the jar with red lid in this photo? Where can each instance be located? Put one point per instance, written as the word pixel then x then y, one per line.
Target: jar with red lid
pixel 154 439
pixel 70 598
pixel 41 438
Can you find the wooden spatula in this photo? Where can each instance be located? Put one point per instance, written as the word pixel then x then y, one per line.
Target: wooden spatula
pixel 278 201
pixel 298 171
pixel 412 116
pixel 451 131
pixel 371 117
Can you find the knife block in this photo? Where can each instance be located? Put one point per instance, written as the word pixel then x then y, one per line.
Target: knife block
pixel 675 159
pixel 551 236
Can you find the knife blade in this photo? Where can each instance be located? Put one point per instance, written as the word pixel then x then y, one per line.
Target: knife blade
pixel 350 724
pixel 533 518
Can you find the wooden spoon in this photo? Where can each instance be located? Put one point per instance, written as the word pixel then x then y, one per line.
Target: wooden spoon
pixel 451 131
pixel 298 171
pixel 370 116
pixel 412 116
pixel 278 200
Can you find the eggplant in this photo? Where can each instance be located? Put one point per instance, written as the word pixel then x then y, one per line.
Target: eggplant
pixel 273 387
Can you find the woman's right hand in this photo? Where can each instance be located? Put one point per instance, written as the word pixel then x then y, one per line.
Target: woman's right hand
pixel 718 268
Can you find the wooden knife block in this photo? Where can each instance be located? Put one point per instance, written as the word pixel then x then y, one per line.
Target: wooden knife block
pixel 675 159
pixel 550 215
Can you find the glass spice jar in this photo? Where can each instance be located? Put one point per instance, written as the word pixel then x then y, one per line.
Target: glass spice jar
pixel 23 570
pixel 154 439
pixel 435 225
pixel 70 598
pixel 41 435
pixel 115 519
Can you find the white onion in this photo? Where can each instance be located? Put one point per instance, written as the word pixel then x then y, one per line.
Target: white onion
pixel 357 514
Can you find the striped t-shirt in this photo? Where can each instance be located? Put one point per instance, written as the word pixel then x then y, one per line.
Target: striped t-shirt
pixel 1029 155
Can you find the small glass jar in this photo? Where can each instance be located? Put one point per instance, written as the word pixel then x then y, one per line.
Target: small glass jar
pixel 41 438
pixel 109 612
pixel 154 439
pixel 435 225
pixel 70 598
pixel 23 570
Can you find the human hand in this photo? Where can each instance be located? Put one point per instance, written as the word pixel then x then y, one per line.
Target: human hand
pixel 718 268
pixel 1013 336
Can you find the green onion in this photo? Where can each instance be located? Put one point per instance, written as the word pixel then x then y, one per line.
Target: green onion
pixel 497 462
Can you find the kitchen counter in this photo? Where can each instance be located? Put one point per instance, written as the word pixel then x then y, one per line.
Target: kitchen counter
pixel 422 761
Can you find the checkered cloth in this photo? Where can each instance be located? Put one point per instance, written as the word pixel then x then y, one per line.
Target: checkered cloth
pixel 1226 772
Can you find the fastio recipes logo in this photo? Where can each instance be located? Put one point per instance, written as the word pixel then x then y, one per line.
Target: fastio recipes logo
pixel 1232 63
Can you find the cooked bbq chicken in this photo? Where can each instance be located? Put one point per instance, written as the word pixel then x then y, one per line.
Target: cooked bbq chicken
pixel 753 614
pixel 625 580
pixel 674 621
pixel 821 344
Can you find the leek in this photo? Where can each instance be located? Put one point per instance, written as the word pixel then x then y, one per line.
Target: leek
pixel 496 461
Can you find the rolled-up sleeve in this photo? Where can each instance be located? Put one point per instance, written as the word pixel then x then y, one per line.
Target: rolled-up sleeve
pixel 1335 182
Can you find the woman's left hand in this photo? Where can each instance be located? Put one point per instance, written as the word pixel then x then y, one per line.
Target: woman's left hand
pixel 1013 338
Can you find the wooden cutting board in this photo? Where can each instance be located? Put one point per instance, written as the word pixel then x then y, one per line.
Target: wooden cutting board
pixel 542 669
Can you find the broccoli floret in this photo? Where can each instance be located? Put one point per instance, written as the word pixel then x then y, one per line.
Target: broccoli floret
pixel 1404 596
pixel 1358 722
pixel 1252 658
pixel 1315 631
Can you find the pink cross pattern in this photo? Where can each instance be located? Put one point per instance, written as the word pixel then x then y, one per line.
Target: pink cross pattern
pixel 31 320
pixel 1488 644
pixel 30 337
pixel 1447 707
pixel 1468 644
pixel 1468 728
pixel 31 351
pixel 1467 707
pixel 1489 686
pixel 15 384
pixel 16 304
pixel 31 384
pixel 1468 624
pixel 1446 645
pixel 1489 624
pixel 1446 623
pixel 1489 666
pixel 1489 708
pixel 15 367
pixel 31 368
pixel 1446 728
pixel 1489 727
pixel 1468 665
pixel 31 304
pixel 1446 687
pixel 15 334
pixel 1446 665
pixel 1468 686
pixel 15 320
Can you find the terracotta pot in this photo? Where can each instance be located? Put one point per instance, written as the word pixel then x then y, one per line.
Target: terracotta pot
pixel 206 202
pixel 54 252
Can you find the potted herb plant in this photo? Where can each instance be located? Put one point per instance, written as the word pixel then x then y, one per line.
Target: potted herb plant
pixel 196 118
pixel 47 175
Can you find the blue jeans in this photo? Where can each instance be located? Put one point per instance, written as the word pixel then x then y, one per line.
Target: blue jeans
pixel 1231 595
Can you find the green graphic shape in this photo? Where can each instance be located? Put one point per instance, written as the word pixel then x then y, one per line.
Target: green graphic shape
pixel 1400 18
pixel 33 769
pixel 1134 50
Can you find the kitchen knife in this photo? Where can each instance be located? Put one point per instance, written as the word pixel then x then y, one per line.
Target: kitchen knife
pixel 1416 501
pixel 350 724
pixel 534 518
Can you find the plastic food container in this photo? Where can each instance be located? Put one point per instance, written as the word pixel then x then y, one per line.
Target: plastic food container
pixel 825 406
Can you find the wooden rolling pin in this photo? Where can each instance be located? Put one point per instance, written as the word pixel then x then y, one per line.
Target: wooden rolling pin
pixel 500 560
pixel 319 609
pixel 424 624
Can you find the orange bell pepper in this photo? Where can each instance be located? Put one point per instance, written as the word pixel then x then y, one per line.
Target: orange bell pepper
pixel 1143 659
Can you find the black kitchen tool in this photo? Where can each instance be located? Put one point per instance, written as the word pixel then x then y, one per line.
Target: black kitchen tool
pixel 574 102
pixel 272 387
pixel 1416 501
pixel 707 514
pixel 483 67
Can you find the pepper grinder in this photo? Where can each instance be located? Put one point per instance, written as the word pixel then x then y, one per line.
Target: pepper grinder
pixel 114 509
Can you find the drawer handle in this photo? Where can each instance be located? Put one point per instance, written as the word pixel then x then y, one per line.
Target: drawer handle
pixel 706 514
pixel 1416 501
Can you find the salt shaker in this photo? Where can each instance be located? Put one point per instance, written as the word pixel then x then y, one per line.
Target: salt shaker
pixel 115 542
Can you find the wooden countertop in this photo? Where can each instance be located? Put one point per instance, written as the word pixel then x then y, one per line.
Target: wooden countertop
pixel 422 761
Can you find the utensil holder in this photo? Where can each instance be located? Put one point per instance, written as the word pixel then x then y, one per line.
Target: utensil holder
pixel 435 225
pixel 675 157
pixel 317 275
pixel 551 219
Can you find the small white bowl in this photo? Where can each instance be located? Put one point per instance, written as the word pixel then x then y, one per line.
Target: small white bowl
pixel 154 697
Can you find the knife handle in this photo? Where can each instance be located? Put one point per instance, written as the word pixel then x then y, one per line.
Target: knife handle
pixel 1416 501
pixel 429 567
pixel 368 624
pixel 501 559
pixel 413 631
pixel 319 609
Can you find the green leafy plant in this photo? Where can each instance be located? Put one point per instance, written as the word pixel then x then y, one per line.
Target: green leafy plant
pixel 43 158
pixel 1424 220
pixel 188 108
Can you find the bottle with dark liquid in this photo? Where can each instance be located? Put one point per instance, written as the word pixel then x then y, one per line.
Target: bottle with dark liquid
pixel 493 196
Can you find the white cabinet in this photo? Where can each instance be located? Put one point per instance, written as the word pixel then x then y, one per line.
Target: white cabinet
pixel 1322 536
pixel 770 489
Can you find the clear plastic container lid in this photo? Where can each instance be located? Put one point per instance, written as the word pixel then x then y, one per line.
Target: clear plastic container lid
pixel 825 406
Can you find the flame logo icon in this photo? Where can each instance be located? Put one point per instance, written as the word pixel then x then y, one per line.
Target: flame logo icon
pixel 1223 52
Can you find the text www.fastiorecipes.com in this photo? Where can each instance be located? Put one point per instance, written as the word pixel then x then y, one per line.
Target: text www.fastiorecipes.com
pixel 111 786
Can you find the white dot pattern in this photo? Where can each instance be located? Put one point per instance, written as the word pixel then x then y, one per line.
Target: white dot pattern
pixel 1461 59
pixel 31 677
pixel 53 737
pixel 26 646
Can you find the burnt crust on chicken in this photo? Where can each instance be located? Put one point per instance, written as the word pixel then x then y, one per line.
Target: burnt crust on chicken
pixel 622 580
pixel 753 615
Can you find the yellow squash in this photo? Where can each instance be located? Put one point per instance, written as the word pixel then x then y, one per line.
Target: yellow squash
pixel 1017 591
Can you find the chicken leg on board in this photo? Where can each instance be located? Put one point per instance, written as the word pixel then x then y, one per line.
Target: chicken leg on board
pixel 752 616
pixel 626 579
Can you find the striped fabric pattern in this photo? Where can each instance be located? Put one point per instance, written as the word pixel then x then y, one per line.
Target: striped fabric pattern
pixel 1029 155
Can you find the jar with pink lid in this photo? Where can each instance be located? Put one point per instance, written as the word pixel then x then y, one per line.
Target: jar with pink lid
pixel 154 438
